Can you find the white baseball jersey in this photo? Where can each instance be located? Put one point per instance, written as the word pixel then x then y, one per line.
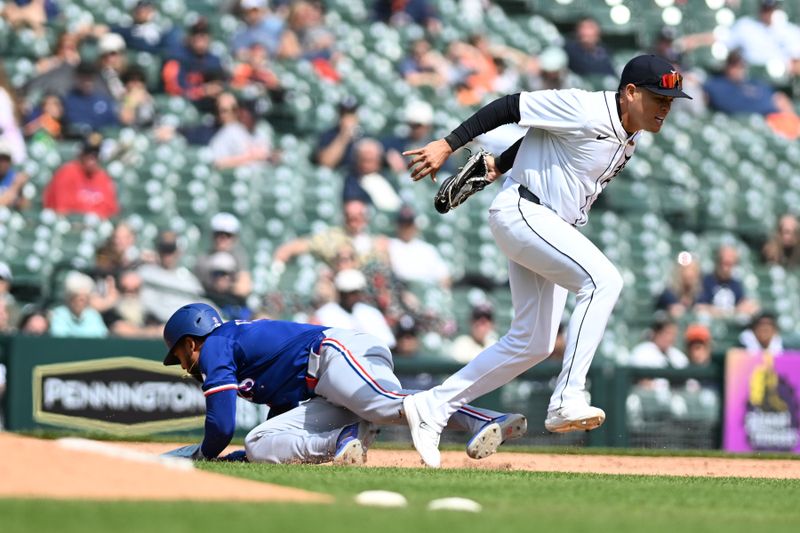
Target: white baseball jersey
pixel 555 161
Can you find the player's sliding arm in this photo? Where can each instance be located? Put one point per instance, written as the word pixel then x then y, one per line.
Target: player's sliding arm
pixel 429 159
pixel 220 422
pixel 220 425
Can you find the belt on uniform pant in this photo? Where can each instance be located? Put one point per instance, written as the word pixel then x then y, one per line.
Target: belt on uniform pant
pixel 526 194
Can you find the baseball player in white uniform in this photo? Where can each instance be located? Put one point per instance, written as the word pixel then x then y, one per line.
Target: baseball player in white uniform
pixel 576 143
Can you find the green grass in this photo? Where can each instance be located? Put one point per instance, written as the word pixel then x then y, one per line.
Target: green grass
pixel 512 501
pixel 399 445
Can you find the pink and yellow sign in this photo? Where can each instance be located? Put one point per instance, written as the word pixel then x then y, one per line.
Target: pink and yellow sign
pixel 762 402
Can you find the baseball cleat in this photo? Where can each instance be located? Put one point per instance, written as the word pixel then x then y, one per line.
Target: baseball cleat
pixel 353 443
pixel 486 441
pixel 580 418
pixel 424 436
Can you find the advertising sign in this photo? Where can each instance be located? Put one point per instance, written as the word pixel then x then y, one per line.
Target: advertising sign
pixel 762 402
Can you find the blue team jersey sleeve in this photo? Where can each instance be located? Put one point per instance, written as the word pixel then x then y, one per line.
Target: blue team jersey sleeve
pixel 217 365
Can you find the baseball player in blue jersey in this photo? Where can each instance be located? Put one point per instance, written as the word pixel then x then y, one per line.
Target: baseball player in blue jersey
pixel 327 389
pixel 575 144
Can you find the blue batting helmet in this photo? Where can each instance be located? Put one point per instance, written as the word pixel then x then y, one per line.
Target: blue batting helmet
pixel 194 319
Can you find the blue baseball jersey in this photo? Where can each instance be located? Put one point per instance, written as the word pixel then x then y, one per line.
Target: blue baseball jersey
pixel 264 361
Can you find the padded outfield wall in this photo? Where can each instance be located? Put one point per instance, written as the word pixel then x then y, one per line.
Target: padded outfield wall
pixel 120 387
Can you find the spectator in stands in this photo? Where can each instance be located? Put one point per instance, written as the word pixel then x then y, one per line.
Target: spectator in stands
pixel 335 146
pixel 7 299
pixel 86 107
pixel 77 318
pixel 262 29
pixel 166 285
pixel 471 71
pixel 425 66
pixel 366 182
pixel 307 37
pixel 254 71
pixel 698 345
pixel 768 39
pixel 34 322
pixel 225 238
pixel 763 335
pixel 6 324
pixel 418 118
pixel 420 12
pixel 144 33
pixel 552 72
pixel 81 186
pixel 327 244
pixel 411 258
pixel 193 71
pixel 733 92
pixel 406 333
pixel 34 14
pixel 783 248
pixel 685 288
pixel 587 54
pixel 10 119
pixel 45 122
pixel 11 180
pixel 125 314
pixel 351 312
pixel 6 277
pixel 56 72
pixel 65 52
pixel 222 273
pixel 233 145
pixel 698 350
pixel 659 351
pixel 137 107
pixel 723 294
pixel 111 64
pixel 481 335
pixel 119 252
pixel 509 62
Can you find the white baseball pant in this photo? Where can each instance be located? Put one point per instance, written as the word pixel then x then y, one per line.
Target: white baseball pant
pixel 547 257
pixel 356 381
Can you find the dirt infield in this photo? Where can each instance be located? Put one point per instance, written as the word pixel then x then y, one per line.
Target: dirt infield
pixel 586 464
pixel 130 471
pixel 34 468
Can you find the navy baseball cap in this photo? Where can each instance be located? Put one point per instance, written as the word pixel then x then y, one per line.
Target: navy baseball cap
pixel 655 74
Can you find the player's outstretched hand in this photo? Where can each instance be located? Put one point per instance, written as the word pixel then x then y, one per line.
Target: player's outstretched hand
pixel 427 161
pixel 191 451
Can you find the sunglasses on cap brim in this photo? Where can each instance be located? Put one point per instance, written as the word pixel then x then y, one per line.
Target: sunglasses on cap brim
pixel 671 80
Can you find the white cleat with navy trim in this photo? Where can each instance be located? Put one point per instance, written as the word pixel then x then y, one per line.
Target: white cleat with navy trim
pixel 575 418
pixel 486 441
pixel 423 434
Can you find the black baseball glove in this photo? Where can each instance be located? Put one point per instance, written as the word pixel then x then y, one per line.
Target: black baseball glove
pixel 469 179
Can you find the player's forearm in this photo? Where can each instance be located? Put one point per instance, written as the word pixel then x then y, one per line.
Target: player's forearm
pixel 504 110
pixel 220 423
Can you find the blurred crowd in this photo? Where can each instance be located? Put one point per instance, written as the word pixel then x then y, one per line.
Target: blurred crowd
pixel 87 85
